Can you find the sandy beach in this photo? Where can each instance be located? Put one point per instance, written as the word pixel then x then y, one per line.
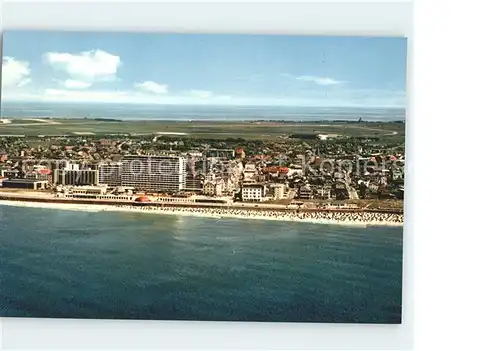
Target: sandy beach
pixel 351 219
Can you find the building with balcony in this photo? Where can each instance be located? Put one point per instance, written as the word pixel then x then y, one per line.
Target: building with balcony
pixel 76 177
pixel 278 191
pixel 110 173
pixel 154 173
pixel 253 192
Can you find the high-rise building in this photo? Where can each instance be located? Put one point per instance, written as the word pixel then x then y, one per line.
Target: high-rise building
pixel 76 177
pixel 194 182
pixel 110 173
pixel 278 191
pixel 154 173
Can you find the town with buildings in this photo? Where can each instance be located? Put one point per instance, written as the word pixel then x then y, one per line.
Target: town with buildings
pixel 316 171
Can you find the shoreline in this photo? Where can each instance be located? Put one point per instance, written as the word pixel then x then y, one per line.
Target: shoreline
pixel 342 219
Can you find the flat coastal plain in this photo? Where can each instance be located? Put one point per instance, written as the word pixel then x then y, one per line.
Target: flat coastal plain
pixel 216 129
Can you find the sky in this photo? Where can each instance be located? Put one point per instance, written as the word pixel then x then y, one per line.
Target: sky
pixel 217 69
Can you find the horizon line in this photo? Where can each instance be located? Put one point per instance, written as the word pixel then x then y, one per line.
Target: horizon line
pixel 2 102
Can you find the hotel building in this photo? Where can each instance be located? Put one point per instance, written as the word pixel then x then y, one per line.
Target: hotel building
pixel 154 173
pixel 253 192
pixel 76 177
pixel 110 173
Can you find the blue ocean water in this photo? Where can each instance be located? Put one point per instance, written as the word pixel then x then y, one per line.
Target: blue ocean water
pixel 70 264
pixel 184 112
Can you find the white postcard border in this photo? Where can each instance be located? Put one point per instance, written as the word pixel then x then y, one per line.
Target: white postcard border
pixel 391 18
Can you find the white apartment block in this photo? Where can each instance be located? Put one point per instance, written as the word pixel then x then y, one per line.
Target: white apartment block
pixel 278 191
pixel 250 173
pixel 253 192
pixel 154 173
pixel 229 185
pixel 110 173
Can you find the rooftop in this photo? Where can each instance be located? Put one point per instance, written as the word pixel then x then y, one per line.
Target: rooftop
pixel 253 185
pixel 24 181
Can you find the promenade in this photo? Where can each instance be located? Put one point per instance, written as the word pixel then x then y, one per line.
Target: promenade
pixel 245 211
pixel 332 217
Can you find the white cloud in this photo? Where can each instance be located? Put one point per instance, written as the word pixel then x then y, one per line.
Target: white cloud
pixel 15 73
pixel 152 87
pixel 207 95
pixel 88 66
pixel 201 94
pixel 75 84
pixel 319 80
pixel 112 96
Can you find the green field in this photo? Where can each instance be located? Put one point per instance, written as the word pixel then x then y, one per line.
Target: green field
pixel 197 129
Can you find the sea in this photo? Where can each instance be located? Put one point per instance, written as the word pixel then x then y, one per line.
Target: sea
pixel 197 112
pixel 112 265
